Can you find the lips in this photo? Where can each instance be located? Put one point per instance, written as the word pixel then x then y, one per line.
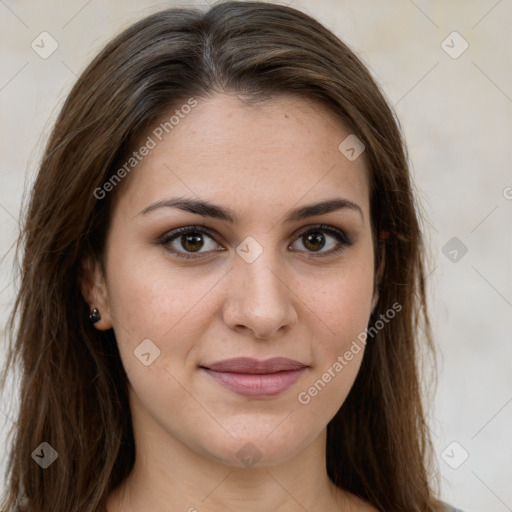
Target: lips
pixel 256 379
pixel 249 365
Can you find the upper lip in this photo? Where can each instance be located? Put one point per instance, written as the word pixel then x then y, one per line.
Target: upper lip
pixel 250 365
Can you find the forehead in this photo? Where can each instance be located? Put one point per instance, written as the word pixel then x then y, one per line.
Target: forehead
pixel 274 151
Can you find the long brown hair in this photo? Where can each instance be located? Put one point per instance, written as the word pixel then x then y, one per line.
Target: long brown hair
pixel 73 386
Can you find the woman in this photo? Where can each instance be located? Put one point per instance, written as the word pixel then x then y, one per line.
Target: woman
pixel 222 281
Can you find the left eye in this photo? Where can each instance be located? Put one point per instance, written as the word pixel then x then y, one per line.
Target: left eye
pixel 192 240
pixel 314 239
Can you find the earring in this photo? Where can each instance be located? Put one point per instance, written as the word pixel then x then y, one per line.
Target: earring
pixel 95 316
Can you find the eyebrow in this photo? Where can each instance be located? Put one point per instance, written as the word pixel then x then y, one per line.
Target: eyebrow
pixel 206 209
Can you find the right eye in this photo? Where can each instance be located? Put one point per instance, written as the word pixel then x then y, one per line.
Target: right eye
pixel 188 241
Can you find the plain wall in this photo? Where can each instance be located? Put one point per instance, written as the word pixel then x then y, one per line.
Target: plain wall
pixel 456 113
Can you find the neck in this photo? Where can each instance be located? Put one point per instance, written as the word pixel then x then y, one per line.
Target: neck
pixel 168 476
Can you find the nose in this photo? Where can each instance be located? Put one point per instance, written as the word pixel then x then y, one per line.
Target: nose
pixel 259 298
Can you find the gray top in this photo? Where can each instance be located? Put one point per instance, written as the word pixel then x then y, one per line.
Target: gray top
pixel 449 508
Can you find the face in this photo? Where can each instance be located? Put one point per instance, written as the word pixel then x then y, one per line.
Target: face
pixel 185 286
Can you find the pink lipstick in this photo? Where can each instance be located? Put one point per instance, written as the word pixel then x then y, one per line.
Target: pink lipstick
pixel 256 379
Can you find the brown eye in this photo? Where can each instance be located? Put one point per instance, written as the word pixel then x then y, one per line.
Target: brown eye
pixel 192 242
pixel 184 242
pixel 314 240
pixel 318 237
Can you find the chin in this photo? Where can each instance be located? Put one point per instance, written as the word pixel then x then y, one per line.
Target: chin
pixel 259 446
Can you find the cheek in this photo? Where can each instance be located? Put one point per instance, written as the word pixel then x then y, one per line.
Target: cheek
pixel 342 310
pixel 338 347
pixel 149 299
pixel 343 303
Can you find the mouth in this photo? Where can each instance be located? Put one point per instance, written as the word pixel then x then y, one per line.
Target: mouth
pixel 256 379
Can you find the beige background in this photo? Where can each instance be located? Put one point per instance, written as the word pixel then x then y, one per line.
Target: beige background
pixel 456 115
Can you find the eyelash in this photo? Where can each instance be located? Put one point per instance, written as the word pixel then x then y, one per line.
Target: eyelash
pixel 343 240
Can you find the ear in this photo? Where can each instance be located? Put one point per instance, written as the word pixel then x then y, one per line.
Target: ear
pixel 378 277
pixel 94 290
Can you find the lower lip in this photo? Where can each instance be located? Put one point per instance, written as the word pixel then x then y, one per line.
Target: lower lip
pixel 257 385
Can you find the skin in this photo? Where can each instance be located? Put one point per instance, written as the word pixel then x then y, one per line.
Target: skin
pixel 260 161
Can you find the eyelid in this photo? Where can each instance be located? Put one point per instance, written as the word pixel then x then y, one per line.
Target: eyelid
pixel 341 236
pixel 170 236
pixel 186 229
pixel 343 240
pixel 332 230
